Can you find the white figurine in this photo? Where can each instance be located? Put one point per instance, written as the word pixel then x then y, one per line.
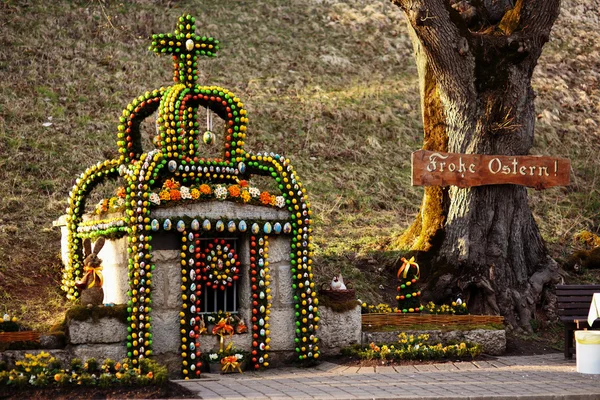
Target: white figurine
pixel 338 283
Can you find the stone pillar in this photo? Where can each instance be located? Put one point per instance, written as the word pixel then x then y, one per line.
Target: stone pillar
pixel 166 305
pixel 339 329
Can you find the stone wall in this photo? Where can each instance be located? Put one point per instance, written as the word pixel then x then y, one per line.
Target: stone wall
pixel 100 339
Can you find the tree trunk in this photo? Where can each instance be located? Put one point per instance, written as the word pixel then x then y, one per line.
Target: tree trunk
pixel 475 61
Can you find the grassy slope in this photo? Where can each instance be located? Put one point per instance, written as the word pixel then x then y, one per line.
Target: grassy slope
pixel 331 84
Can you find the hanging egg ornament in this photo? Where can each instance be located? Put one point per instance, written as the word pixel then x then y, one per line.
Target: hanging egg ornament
pixel 195 225
pixel 206 225
pixel 167 225
pixel 155 225
pixel 208 137
pixel 180 226
pixel 242 226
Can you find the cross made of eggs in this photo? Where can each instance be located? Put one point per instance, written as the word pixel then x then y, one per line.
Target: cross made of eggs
pixel 185 46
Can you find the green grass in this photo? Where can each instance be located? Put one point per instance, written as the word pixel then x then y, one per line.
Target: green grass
pixel 330 84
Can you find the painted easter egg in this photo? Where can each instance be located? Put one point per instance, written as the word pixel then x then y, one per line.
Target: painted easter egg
pixel 206 225
pixel 242 226
pixel 195 225
pixel 242 168
pixel 155 225
pixel 172 166
pixel 255 228
pixel 208 137
pixel 167 225
pixel 287 228
pixel 180 226
pixel 277 228
pixel 220 226
pixel 231 226
pixel 267 228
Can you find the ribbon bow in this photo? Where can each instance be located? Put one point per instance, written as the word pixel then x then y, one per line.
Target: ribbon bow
pixel 230 364
pixel 95 272
pixel 221 329
pixel 406 264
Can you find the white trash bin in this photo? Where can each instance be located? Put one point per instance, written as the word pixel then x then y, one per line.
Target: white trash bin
pixel 587 350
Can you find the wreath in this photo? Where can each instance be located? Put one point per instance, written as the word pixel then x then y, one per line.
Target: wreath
pixel 220 264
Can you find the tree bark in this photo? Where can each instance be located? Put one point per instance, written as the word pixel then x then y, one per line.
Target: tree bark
pixel 475 61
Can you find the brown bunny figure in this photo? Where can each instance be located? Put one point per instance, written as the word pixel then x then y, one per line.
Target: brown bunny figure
pixel 90 286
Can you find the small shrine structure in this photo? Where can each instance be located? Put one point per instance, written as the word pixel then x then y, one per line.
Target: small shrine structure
pixel 190 237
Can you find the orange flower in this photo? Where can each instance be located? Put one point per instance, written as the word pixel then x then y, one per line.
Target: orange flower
pixel 195 193
pixel 243 183
pixel 150 375
pixel 121 192
pixel 165 195
pixel 265 198
pixel 234 190
pixel 171 184
pixel 175 194
pixel 205 189
pixel 57 377
pixel 117 366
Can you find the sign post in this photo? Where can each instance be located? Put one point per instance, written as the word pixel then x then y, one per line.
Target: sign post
pixel 430 168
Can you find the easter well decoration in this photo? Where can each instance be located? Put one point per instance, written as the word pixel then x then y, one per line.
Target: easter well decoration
pixel 409 296
pixel 176 172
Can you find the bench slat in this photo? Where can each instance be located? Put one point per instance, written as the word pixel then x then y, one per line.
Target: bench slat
pixel 571 299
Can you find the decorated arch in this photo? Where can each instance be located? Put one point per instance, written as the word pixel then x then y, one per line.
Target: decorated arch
pixel 176 163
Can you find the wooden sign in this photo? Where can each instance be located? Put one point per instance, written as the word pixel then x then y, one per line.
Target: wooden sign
pixel 430 168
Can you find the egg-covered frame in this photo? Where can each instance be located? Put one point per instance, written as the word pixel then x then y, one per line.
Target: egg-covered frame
pixel 177 157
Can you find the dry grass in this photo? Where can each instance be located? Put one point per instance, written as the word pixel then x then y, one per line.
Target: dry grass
pixel 332 84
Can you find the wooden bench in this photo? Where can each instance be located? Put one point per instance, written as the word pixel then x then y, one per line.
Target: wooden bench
pixel 573 308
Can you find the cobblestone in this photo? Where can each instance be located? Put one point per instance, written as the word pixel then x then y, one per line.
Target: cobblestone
pixel 525 378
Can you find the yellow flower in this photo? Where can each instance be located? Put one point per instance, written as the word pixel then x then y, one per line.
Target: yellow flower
pixel 195 194
pixel 118 375
pixel 246 196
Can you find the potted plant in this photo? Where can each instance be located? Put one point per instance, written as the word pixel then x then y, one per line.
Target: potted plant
pixel 228 361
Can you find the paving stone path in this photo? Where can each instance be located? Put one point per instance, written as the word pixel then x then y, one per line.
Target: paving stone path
pixel 511 377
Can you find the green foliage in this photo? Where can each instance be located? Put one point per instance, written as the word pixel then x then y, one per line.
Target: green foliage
pixel 44 370
pixel 83 313
pixel 410 347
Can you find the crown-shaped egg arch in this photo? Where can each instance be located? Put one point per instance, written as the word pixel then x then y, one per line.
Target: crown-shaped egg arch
pixel 177 158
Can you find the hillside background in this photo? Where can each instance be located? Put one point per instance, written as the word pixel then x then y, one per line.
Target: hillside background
pixel 331 84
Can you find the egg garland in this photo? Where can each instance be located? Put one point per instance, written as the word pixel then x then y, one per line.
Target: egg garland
pixel 305 297
pixel 261 301
pixel 140 266
pixel 177 157
pixel 408 294
pixel 219 263
pixel 83 186
pixel 191 293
